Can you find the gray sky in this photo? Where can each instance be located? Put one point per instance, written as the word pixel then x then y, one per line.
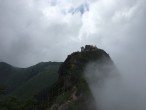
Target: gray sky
pixel 32 31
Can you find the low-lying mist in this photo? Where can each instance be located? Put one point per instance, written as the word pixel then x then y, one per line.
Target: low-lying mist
pixel 116 89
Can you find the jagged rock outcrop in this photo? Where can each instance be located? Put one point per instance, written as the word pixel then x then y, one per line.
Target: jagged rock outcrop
pixel 71 91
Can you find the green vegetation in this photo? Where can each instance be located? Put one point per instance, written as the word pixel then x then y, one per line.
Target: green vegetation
pixel 39 82
pixel 14 103
pixel 23 86
pixel 62 97
pixel 2 90
pixel 28 82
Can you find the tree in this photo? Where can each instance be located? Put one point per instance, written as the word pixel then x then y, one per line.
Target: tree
pixel 2 89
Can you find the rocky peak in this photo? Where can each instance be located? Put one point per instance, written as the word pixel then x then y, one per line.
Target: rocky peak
pixel 71 91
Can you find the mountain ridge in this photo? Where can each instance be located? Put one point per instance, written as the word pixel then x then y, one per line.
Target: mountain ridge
pixel 61 86
pixel 14 77
pixel 71 91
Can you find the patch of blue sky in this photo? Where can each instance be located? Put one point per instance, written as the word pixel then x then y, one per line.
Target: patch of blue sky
pixel 53 2
pixel 80 9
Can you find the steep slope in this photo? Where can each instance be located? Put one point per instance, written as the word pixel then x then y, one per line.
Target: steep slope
pixel 71 91
pixel 42 80
pixel 21 81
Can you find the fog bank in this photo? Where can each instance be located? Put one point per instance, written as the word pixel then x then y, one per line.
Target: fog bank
pixel 113 89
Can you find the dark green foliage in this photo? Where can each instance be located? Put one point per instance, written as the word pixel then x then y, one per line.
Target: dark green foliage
pixel 14 103
pixel 26 82
pixel 62 97
pixel 2 90
pixel 39 82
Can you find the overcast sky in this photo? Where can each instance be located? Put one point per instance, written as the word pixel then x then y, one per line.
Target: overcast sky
pixel 32 31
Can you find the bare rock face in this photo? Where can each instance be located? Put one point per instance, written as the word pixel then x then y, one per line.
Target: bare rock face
pixel 65 106
pixel 71 91
pixel 55 107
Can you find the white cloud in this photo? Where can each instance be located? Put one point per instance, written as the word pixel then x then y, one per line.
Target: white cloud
pixel 43 29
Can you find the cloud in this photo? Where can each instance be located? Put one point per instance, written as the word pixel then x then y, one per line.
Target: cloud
pixel 111 91
pixel 32 31
pixel 119 28
pixel 40 30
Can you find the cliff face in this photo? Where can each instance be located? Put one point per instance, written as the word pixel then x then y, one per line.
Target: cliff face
pixel 71 91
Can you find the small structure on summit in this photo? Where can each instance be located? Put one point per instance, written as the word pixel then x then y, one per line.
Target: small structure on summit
pixel 82 49
pixel 88 48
